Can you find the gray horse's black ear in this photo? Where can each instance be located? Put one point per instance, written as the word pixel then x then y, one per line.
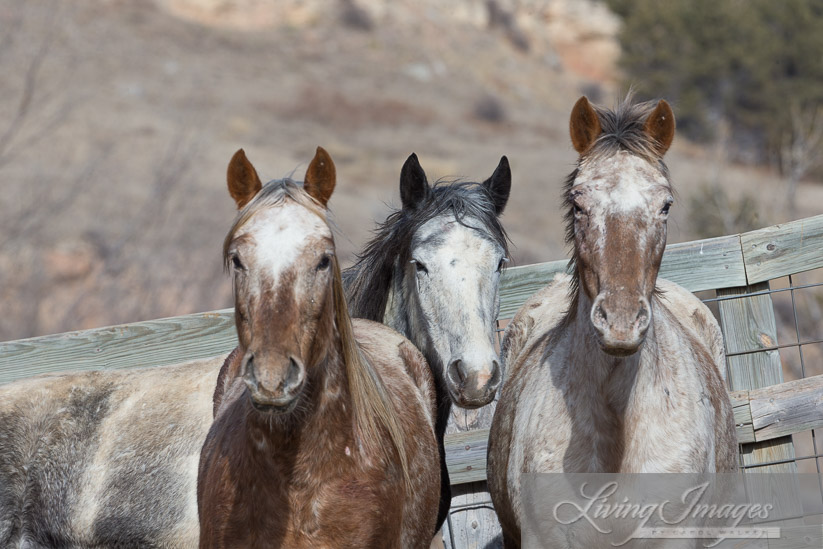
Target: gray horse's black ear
pixel 499 185
pixel 414 187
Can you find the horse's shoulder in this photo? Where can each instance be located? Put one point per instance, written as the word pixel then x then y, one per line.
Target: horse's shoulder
pixel 535 318
pixel 695 317
pixel 381 342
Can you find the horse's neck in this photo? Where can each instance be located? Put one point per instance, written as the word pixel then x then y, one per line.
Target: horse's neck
pixel 402 314
pixel 320 429
pixel 588 362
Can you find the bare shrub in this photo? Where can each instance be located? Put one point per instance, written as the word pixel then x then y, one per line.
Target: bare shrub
pixel 712 212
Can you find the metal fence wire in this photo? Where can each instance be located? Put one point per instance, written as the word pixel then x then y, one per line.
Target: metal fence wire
pixel 796 337
pixel 797 301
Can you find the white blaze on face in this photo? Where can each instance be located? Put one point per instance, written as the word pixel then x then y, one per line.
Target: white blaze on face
pixel 621 185
pixel 457 282
pixel 275 238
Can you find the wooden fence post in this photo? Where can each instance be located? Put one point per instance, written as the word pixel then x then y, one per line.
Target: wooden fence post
pixel 472 521
pixel 749 324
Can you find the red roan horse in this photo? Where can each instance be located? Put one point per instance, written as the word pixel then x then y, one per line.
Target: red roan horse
pixel 323 434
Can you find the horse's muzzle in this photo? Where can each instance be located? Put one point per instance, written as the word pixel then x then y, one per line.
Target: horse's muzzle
pixel 472 386
pixel 274 389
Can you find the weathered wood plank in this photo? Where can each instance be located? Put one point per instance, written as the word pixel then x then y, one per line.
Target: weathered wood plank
pixel 519 283
pixel 150 343
pixel 707 264
pixel 798 537
pixel 787 408
pixel 472 521
pixel 742 416
pixel 466 455
pixel 784 249
pixel 749 324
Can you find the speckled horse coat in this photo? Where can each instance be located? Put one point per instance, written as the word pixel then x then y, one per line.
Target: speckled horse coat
pixel 324 430
pixel 611 370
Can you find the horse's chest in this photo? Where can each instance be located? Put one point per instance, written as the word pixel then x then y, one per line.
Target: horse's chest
pixel 341 512
pixel 644 432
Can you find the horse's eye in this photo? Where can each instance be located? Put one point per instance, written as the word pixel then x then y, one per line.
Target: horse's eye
pixel 502 264
pixel 325 261
pixel 577 209
pixel 665 210
pixel 236 263
pixel 420 267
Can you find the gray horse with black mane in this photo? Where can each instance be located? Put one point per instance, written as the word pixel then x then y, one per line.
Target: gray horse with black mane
pixel 432 273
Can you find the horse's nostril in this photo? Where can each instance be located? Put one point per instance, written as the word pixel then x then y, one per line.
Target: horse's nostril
pixel 599 317
pixel 294 375
pixel 249 368
pixel 457 371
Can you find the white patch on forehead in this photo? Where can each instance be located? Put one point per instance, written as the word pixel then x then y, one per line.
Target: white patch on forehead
pixel 281 233
pixel 621 183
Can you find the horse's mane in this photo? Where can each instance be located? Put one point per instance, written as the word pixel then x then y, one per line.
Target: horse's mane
pixel 371 405
pixel 622 129
pixel 368 281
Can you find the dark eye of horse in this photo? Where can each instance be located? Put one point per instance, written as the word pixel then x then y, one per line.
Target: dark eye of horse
pixel 237 264
pixel 665 210
pixel 420 267
pixel 577 209
pixel 502 263
pixel 325 261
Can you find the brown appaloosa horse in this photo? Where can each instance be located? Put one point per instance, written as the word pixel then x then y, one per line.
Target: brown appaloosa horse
pixel 324 426
pixel 611 370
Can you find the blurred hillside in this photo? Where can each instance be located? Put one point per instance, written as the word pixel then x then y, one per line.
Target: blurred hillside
pixel 118 117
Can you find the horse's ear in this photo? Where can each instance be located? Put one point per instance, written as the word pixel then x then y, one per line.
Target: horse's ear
pixel 499 185
pixel 320 177
pixel 660 127
pixel 414 187
pixel 584 125
pixel 242 179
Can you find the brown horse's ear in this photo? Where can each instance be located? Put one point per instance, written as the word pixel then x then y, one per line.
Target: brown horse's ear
pixel 242 178
pixel 660 127
pixel 320 177
pixel 584 125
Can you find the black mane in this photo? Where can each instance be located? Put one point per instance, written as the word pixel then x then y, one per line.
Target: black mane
pixel 368 282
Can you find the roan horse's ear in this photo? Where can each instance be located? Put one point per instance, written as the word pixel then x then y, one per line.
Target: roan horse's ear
pixel 584 125
pixel 242 179
pixel 660 126
pixel 499 185
pixel 414 187
pixel 320 177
